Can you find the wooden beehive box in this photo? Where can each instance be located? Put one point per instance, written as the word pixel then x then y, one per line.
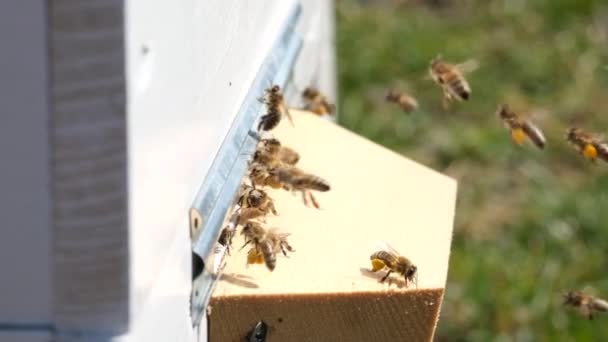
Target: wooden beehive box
pixel 324 291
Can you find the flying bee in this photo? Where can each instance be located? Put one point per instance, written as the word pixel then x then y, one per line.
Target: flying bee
pixel 521 128
pixel 588 145
pixel 270 152
pixel 266 243
pixel 450 77
pixel 277 108
pixel 584 303
pixel 295 179
pixel 407 103
pixel 316 102
pixel 388 258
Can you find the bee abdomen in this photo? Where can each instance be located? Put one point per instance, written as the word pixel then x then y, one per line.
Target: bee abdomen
pixel 602 151
pixel 382 255
pixel 535 134
pixel 270 257
pixel 269 121
pixel 460 87
pixel 313 183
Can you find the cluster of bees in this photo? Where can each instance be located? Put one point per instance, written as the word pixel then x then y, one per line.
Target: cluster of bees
pixel 274 166
pixel 450 78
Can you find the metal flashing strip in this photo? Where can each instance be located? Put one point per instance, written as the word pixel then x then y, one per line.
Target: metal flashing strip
pixel 217 193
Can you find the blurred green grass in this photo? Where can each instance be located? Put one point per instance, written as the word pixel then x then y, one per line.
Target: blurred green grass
pixel 529 224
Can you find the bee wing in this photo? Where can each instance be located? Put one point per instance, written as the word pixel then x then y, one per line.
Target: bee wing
pixel 535 134
pixel 384 246
pixel 468 66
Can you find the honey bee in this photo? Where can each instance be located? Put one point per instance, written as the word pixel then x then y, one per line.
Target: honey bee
pixel 270 152
pixel 277 108
pixel 584 303
pixel 295 179
pixel 262 175
pixel 254 203
pixel 588 145
pixel 450 77
pixel 521 127
pixel 388 258
pixel 266 243
pixel 316 102
pixel 407 103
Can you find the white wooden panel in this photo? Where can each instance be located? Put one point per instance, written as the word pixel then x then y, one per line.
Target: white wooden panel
pixel 186 83
pixel 24 171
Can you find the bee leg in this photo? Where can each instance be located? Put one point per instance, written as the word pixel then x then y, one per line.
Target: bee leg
pixel 304 199
pixel 313 200
pixel 272 208
pixel 286 247
pixel 246 243
pixel 288 114
pixel 447 98
pixel 386 276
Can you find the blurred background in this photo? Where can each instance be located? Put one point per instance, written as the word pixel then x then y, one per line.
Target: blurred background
pixel 529 223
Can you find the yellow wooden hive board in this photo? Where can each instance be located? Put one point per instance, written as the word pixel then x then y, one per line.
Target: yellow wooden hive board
pixel 324 291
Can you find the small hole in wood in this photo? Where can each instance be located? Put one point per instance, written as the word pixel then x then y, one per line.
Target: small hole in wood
pixel 280 320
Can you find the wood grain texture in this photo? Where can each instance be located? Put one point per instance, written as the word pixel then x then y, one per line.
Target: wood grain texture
pixel 88 157
pixel 355 316
pixel 375 195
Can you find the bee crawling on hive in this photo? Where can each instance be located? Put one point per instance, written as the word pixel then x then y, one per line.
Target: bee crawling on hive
pixel 407 102
pixel 590 146
pixel 266 244
pixel 316 102
pixel 450 77
pixel 271 153
pixel 254 203
pixel 263 175
pixel 277 109
pixel 584 303
pixel 388 258
pixel 521 128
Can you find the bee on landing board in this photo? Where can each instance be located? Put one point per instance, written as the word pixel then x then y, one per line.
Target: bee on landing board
pixel 254 203
pixel 585 304
pixel 266 243
pixel 590 146
pixel 521 128
pixel 316 102
pixel 271 153
pixel 388 258
pixel 407 102
pixel 277 109
pixel 295 179
pixel 450 77
pixel 262 175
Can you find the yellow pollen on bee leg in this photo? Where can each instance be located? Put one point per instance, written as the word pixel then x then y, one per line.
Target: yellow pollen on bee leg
pixel 377 265
pixel 254 257
pixel 590 152
pixel 518 136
